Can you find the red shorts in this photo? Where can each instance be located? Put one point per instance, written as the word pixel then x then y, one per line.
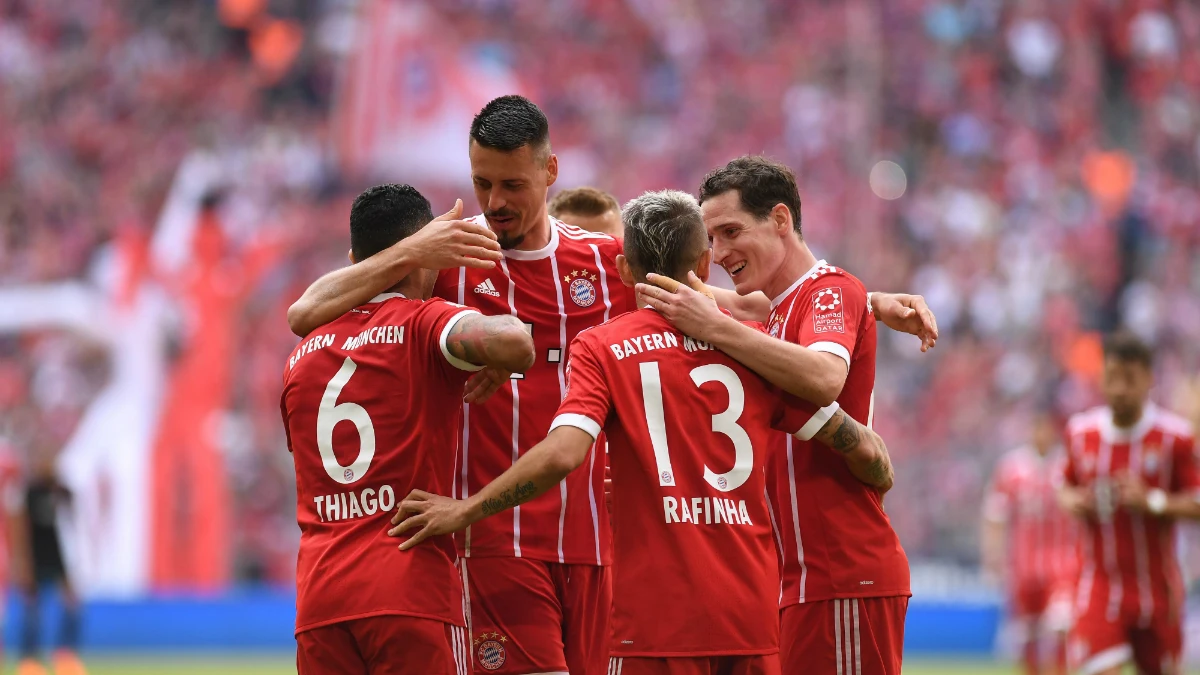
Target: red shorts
pixel 384 645
pixel 864 636
pixel 763 664
pixel 1046 604
pixel 530 616
pixel 1154 645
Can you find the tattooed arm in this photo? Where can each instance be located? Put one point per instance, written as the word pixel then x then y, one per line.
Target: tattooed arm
pixel 541 469
pixel 497 341
pixel 863 449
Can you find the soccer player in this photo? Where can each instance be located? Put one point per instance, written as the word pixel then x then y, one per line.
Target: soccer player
pixel 539 590
pixel 589 208
pixel 1130 475
pixel 370 404
pixel 696 583
pixel 845 576
pixel 1031 544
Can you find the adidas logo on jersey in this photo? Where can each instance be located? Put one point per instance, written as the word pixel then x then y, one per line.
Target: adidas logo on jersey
pixel 487 288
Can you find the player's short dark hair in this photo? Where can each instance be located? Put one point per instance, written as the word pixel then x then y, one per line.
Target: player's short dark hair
pixel 511 122
pixel 383 215
pixel 583 201
pixel 664 233
pixel 760 184
pixel 1124 346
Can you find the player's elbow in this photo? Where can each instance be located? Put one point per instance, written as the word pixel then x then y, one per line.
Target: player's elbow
pixel 827 389
pixel 514 348
pixel 299 318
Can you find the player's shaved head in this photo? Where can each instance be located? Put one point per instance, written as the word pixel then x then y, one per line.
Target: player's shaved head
pixel 664 234
pixel 383 215
pixel 511 122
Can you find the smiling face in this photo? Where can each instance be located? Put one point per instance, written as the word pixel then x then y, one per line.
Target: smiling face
pixel 750 249
pixel 511 190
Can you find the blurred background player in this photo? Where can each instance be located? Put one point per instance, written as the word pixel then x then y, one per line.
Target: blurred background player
pixel 589 208
pixel 46 500
pixel 394 368
pixel 845 576
pixel 680 526
pixel 1131 473
pixel 1031 545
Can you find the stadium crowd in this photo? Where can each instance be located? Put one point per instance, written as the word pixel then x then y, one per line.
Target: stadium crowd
pixel 1051 157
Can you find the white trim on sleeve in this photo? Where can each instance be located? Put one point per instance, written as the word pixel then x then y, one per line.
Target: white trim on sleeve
pixel 818 420
pixel 452 359
pixel 832 348
pixel 591 426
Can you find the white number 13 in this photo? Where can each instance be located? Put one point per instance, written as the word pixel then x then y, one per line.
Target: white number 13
pixel 724 423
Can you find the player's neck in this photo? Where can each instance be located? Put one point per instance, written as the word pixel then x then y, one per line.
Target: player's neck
pixel 409 287
pixel 1129 420
pixel 537 238
pixel 797 261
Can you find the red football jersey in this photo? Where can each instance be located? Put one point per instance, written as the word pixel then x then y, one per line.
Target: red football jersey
pixel 835 539
pixel 370 406
pixel 568 286
pixel 688 432
pixel 1042 539
pixel 1128 559
pixel 12 502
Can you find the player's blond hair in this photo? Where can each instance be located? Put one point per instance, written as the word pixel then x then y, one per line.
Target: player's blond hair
pixel 664 233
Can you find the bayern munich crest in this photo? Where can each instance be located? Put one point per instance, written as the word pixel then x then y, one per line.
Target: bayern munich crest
pixel 348 474
pixel 581 287
pixel 489 651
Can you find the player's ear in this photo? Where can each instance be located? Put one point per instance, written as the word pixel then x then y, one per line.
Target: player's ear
pixel 781 219
pixel 704 264
pixel 551 169
pixel 625 271
pixel 350 255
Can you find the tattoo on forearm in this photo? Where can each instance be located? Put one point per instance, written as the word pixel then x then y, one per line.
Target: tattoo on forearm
pixel 469 340
pixel 846 437
pixel 509 498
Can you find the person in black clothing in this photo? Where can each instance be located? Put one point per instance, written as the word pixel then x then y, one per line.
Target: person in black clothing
pixel 45 496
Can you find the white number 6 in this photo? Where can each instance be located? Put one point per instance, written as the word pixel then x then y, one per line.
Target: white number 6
pixel 329 414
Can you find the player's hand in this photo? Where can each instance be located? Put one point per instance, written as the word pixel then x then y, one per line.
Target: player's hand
pixel 1081 503
pixel 430 515
pixel 907 314
pixel 447 242
pixel 483 384
pixel 690 308
pixel 1131 492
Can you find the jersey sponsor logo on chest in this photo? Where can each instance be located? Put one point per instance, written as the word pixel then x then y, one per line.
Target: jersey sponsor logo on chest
pixel 827 310
pixel 581 287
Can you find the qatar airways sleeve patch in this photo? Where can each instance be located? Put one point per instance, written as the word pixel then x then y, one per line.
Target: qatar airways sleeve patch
pixel 827 311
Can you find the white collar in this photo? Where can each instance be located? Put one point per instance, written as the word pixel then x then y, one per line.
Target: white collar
pixel 541 253
pixel 386 296
pixel 1114 434
pixel 792 289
